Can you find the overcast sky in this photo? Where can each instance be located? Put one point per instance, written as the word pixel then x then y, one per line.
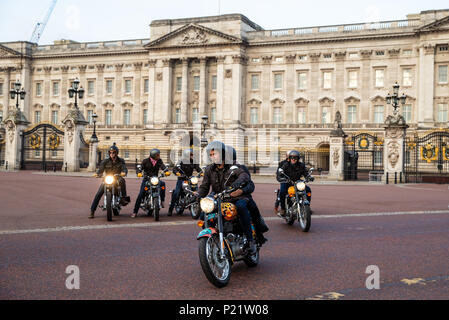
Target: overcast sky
pixel 101 20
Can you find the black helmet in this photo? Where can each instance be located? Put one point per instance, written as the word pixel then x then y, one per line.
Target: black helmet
pixel 113 148
pixel 294 154
pixel 217 146
pixel 154 152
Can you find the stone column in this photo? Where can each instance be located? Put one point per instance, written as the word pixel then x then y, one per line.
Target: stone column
pixel 426 85
pixel 395 134
pixel 289 111
pixel 151 92
pixel 167 76
pixel 220 88
pixel 93 154
pixel 137 112
pixel 203 87
pixel 265 89
pixel 184 89
pixel 237 93
pixel 6 89
pixel 74 125
pixel 337 150
pixel 15 124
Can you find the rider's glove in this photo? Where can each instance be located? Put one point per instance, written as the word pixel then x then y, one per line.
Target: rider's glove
pixel 123 174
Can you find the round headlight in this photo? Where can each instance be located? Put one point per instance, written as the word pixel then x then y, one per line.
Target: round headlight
pixel 194 180
pixel 154 181
pixel 207 205
pixel 109 179
pixel 301 186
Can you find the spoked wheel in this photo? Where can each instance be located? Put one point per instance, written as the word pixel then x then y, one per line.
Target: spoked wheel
pixel 305 219
pixel 252 260
pixel 217 270
pixel 290 219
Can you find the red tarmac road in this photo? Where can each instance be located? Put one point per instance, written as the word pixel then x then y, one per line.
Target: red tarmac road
pixel 403 230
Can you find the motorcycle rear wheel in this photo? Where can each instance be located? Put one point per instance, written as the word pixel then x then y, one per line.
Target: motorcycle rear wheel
pixel 217 270
pixel 252 261
pixel 195 211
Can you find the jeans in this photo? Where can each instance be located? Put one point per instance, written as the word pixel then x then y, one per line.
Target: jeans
pixel 100 193
pixel 176 194
pixel 142 191
pixel 245 218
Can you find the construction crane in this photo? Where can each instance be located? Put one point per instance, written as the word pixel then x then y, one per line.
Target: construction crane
pixel 40 26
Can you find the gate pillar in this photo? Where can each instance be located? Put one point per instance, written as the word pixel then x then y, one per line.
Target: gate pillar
pixel 74 125
pixel 15 124
pixel 93 154
pixel 395 133
pixel 336 159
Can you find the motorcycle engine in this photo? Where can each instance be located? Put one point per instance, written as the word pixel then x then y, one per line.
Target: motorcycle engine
pixel 237 244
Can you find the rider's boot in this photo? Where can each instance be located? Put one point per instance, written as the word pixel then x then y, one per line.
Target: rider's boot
pixel 170 212
pixel 252 247
pixel 281 213
pixel 92 215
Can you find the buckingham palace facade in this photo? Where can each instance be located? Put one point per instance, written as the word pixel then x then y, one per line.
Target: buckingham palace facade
pixel 241 76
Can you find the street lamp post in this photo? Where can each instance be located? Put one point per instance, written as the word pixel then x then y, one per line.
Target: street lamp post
pixel 94 137
pixel 17 92
pixel 77 91
pixel 394 99
pixel 204 124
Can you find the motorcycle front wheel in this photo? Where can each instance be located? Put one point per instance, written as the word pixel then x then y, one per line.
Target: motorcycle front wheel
pixel 156 208
pixel 305 219
pixel 217 270
pixel 288 217
pixel 195 211
pixel 108 205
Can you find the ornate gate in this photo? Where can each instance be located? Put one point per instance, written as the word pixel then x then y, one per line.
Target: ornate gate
pixel 84 152
pixel 426 159
pixel 42 148
pixel 2 152
pixel 363 158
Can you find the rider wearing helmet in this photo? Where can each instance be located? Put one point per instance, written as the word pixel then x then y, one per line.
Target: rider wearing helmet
pixel 258 221
pixel 150 167
pixel 215 176
pixel 294 169
pixel 111 165
pixel 185 166
pixel 283 187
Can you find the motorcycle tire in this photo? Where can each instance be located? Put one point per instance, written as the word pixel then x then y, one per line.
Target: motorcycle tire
pixel 195 211
pixel 109 205
pixel 289 219
pixel 306 222
pixel 116 212
pixel 156 209
pixel 179 210
pixel 252 261
pixel 209 249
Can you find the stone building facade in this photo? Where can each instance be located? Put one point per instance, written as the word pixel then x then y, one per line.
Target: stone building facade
pixel 246 79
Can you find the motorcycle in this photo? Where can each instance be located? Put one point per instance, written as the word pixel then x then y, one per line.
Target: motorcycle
pixel 222 241
pixel 151 200
pixel 112 196
pixel 186 198
pixel 297 206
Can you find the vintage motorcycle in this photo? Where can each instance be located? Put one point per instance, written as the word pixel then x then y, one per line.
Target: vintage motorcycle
pixel 151 200
pixel 297 206
pixel 222 240
pixel 112 196
pixel 186 198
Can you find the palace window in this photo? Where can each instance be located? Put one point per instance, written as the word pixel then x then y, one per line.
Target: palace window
pixel 213 115
pixel 254 82
pixel 90 87
pixel 37 117
pixel 128 86
pixel 195 115
pixel 277 81
pixel 378 114
pixel 54 117
pixel 407 77
pixel 108 117
pixel 196 83
pixel 1 88
pixel 214 83
pixel 127 117
pixel 442 74
pixel 178 115
pixel 108 86
pixel 145 116
pixel 407 112
pixel 380 78
pixel 56 88
pixel 302 80
pixel 89 116
pixel 277 115
pixel 327 79
pixel 352 77
pixel 178 84
pixel 325 115
pixel 352 114
pixel 302 115
pixel 254 115
pixel 146 85
pixel 39 89
pixel 442 112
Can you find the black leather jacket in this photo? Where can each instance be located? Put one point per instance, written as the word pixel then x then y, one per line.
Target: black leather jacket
pixel 112 167
pixel 150 170
pixel 187 168
pixel 293 171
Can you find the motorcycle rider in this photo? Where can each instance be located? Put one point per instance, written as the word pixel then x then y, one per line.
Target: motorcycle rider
pixel 258 221
pixel 187 167
pixel 215 176
pixel 294 169
pixel 111 166
pixel 283 186
pixel 150 167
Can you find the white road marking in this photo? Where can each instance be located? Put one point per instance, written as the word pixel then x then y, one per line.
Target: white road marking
pixel 179 223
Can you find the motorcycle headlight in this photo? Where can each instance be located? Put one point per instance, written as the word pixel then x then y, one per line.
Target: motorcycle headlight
pixel 301 186
pixel 207 205
pixel 154 181
pixel 194 180
pixel 109 179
